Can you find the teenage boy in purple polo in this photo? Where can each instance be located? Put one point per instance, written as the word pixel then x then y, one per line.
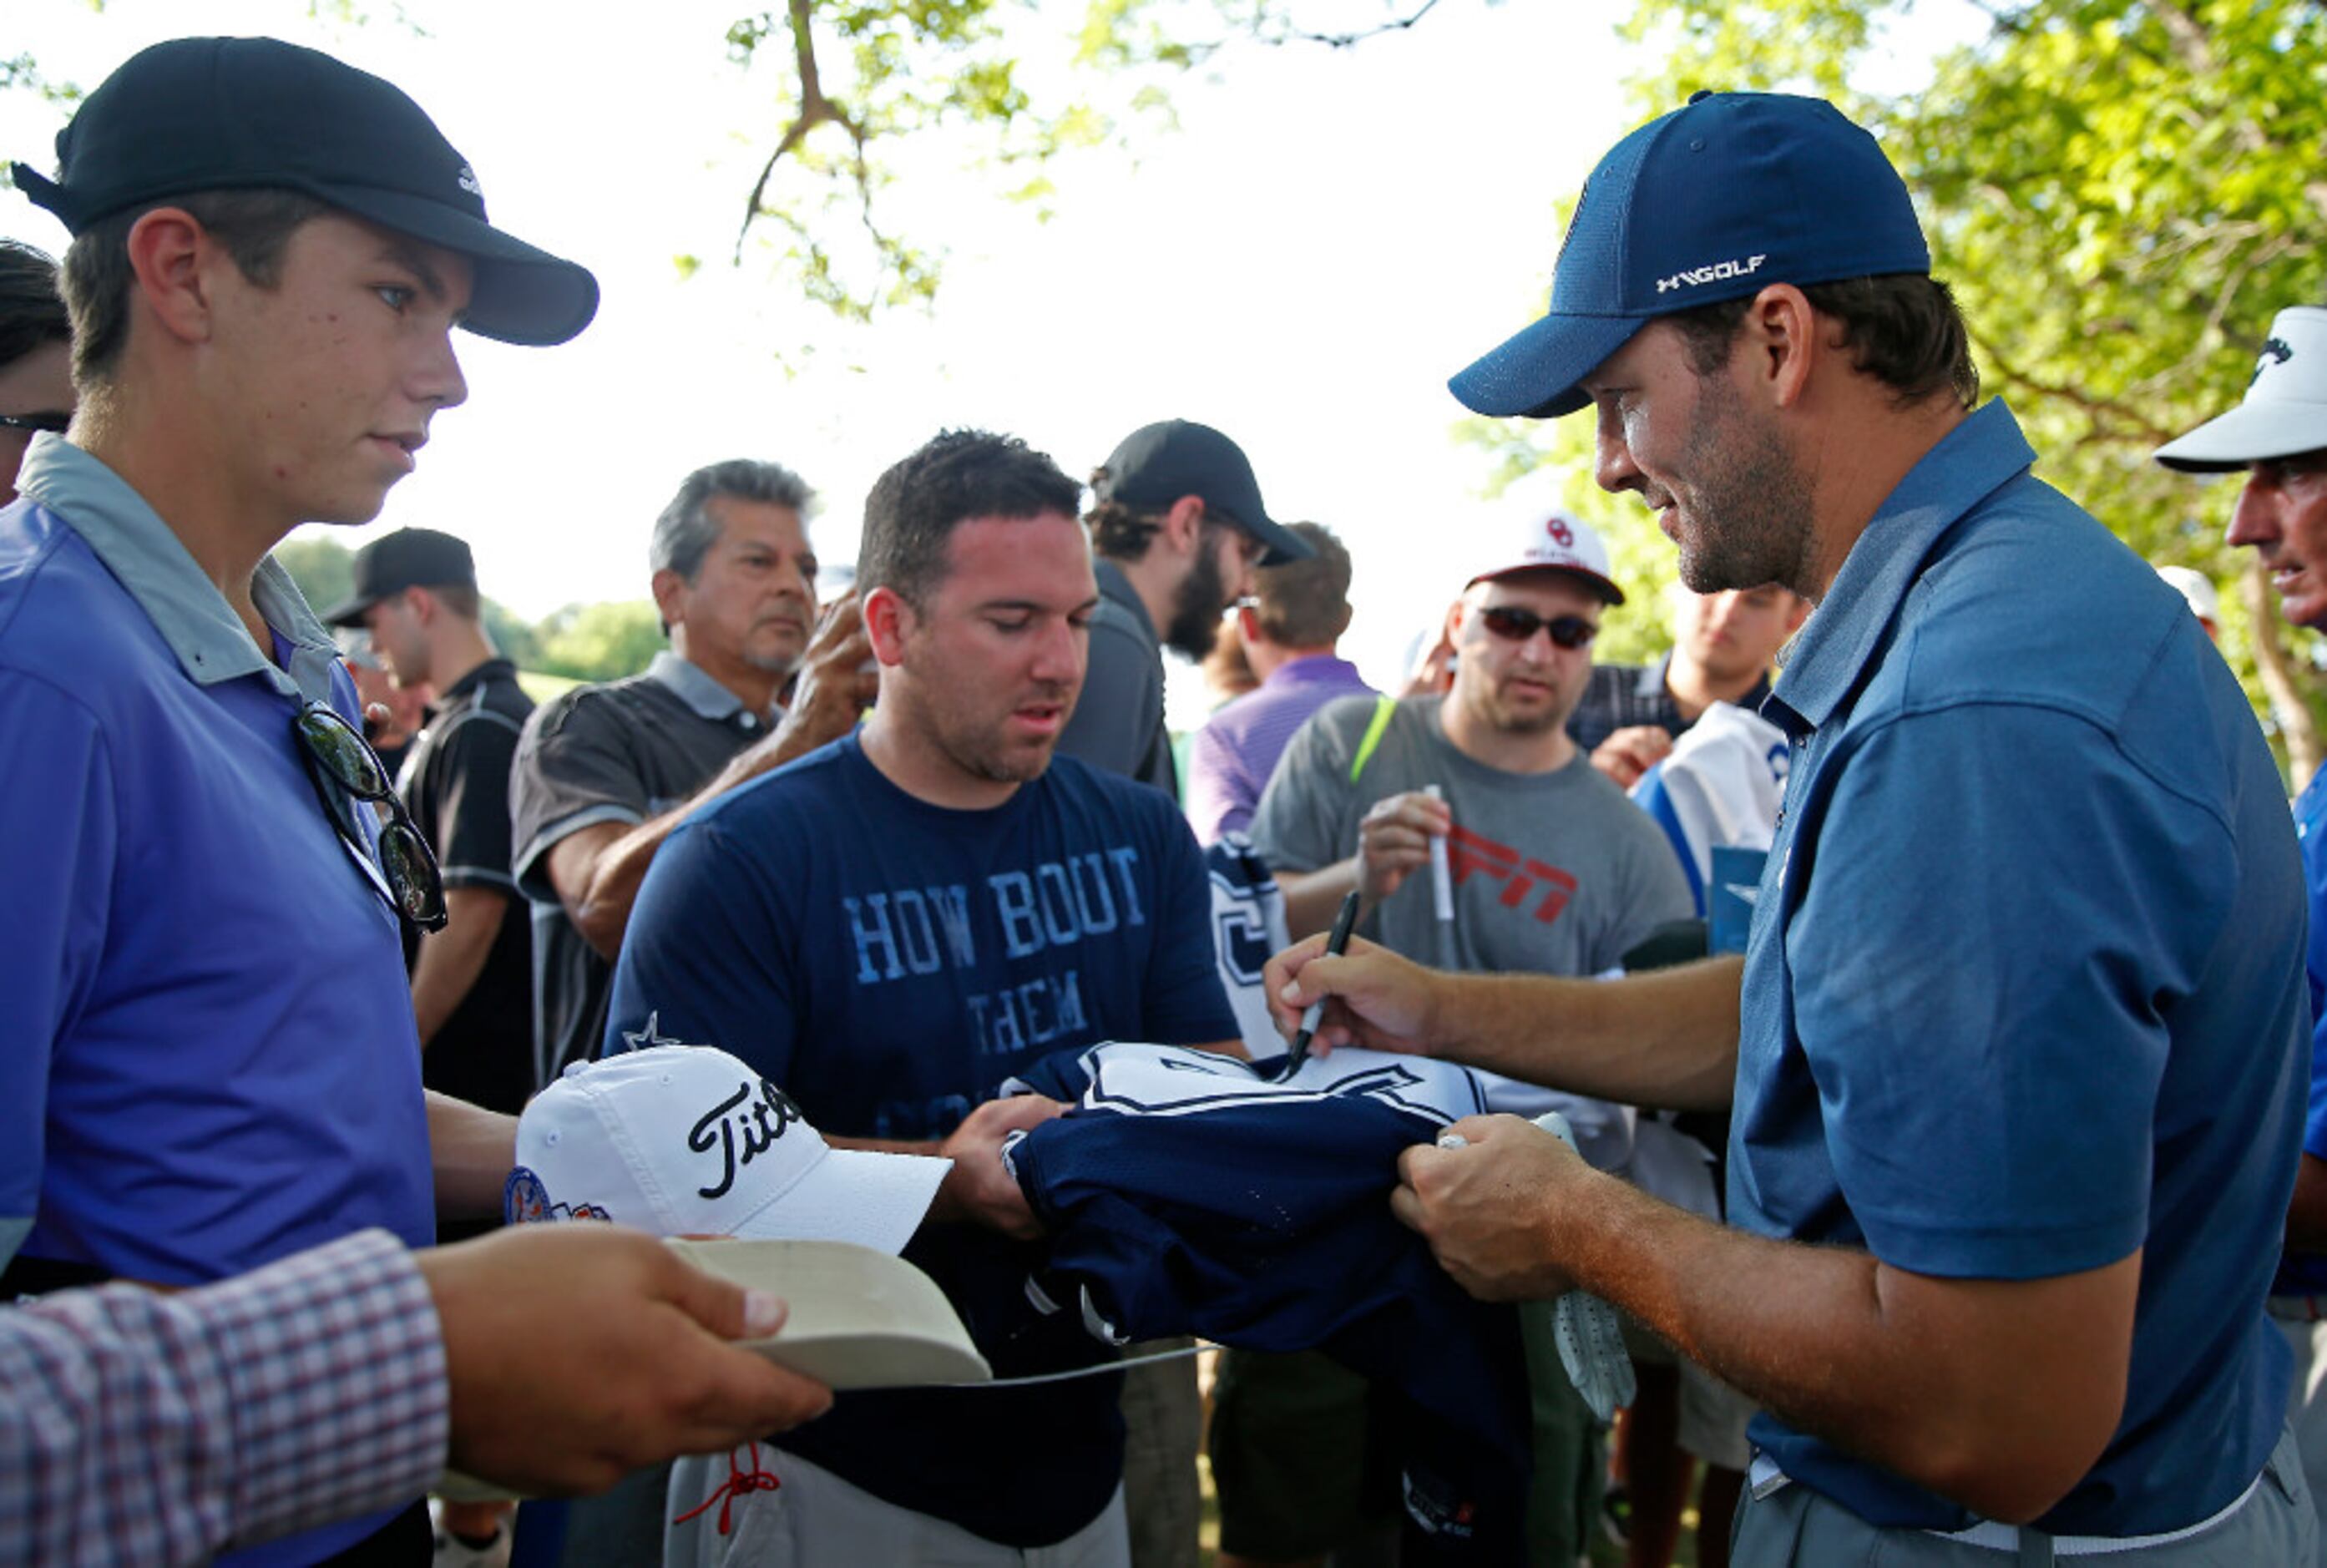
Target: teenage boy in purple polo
pixel 210 1061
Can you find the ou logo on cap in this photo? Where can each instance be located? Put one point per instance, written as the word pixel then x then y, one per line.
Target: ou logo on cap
pixel 1559 530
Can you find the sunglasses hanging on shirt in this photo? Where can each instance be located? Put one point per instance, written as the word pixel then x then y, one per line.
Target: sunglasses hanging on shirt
pixel 344 768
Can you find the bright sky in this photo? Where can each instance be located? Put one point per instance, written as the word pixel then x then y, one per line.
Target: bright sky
pixel 1324 238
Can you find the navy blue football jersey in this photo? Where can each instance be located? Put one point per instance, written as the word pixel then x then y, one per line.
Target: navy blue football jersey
pixel 1185 1193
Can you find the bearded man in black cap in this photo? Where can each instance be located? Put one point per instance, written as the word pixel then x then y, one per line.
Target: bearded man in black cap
pixel 1177 526
pixel 213 1062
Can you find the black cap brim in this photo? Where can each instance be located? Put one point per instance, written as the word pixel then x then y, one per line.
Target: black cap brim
pixel 1533 373
pixel 1280 546
pixel 522 294
pixel 349 611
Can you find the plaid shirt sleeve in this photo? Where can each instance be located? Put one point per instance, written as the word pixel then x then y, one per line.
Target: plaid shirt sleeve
pixel 143 1428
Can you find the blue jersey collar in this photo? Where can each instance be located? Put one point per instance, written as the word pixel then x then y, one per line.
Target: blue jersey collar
pixel 1846 634
pixel 148 559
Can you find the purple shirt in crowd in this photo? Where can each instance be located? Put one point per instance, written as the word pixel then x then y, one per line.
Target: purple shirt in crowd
pixel 1232 756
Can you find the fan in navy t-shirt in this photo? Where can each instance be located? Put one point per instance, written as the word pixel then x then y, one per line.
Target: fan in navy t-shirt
pixel 894 925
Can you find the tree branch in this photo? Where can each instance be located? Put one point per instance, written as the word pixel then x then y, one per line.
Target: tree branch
pixel 2116 421
pixel 815 110
pixel 1350 40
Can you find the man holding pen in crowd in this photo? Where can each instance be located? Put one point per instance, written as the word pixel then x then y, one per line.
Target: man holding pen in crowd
pixel 2016 1053
pixel 212 1061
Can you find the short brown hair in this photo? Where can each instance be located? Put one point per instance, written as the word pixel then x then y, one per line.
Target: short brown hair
pixel 1903 329
pixel 916 505
pixel 1305 603
pixel 253 225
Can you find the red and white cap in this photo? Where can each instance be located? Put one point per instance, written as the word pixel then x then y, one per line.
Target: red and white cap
pixel 1533 535
pixel 685 1140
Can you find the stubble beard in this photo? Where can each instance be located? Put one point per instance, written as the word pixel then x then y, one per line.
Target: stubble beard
pixel 1487 706
pixel 980 752
pixel 1753 522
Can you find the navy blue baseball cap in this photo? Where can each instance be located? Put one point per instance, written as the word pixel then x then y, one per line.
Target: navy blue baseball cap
pixel 1715 201
pixel 224 113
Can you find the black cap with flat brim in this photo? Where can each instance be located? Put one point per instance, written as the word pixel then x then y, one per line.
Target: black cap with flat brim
pixel 229 113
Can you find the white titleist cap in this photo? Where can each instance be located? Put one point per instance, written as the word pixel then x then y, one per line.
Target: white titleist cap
pixel 1532 534
pixel 684 1140
pixel 2285 407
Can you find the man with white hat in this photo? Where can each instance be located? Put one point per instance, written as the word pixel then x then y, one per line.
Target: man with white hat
pixel 2278 436
pixel 2016 1058
pixel 1539 849
pixel 1550 869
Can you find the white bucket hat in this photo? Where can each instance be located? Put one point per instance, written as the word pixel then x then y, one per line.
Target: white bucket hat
pixel 2285 411
pixel 684 1140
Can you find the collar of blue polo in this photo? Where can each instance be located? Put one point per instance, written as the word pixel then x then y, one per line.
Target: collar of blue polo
pixel 148 560
pixel 1972 460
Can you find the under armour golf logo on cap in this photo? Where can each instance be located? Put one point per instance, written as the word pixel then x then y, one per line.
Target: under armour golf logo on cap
pixel 1560 532
pixel 685 1140
pixel 2285 411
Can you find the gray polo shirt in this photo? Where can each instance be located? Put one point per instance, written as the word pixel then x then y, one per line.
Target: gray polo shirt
pixel 624 752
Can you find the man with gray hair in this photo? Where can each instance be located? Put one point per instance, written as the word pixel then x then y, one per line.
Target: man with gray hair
pixel 604 772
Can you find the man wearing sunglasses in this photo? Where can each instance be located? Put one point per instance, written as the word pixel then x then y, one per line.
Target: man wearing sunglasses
pixel 1551 870
pixel 212 1058
pixel 35 357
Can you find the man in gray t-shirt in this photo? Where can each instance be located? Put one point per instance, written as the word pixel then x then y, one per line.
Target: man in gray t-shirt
pixel 1549 868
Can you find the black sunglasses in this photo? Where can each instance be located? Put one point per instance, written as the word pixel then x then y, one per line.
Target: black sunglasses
pixel 55 424
pixel 1519 623
pixel 344 769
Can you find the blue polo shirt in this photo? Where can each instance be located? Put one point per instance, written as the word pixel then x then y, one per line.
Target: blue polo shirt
pixel 2305 1273
pixel 210 1061
pixel 2025 991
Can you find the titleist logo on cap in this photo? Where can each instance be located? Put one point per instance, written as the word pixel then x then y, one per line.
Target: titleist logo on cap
pixel 760 1122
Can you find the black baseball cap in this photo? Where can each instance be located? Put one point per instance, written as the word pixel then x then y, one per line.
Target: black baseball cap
pixel 406 558
pixel 1156 464
pixel 223 114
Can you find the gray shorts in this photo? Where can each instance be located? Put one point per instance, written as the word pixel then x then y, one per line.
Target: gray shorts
pixel 1786 1523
